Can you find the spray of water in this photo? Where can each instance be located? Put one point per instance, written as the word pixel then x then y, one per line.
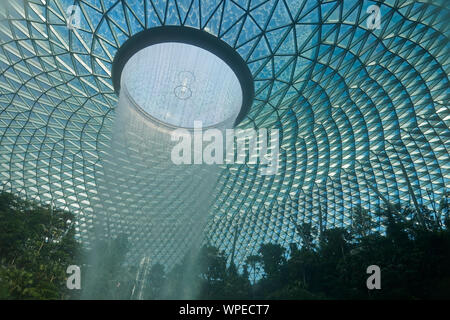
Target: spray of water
pixel 160 207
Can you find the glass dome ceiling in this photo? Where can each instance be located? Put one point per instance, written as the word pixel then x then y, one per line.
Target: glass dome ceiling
pixel 362 113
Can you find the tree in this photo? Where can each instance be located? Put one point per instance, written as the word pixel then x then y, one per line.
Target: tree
pixel 254 261
pixel 37 244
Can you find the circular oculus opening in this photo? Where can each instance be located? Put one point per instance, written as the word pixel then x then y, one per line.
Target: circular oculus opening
pixel 178 75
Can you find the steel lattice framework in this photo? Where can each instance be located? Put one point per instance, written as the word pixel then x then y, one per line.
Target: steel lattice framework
pixel 362 112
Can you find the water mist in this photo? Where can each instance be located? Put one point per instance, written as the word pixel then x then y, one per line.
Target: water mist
pixel 160 207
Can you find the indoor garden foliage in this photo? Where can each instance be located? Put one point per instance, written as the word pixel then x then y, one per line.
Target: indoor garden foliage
pixel 412 249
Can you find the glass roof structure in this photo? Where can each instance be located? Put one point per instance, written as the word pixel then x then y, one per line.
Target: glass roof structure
pixel 362 105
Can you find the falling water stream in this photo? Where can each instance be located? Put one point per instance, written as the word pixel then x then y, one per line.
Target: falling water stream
pixel 160 206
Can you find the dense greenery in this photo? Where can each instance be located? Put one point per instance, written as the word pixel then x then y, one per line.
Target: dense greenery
pixel 413 251
pixel 36 246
